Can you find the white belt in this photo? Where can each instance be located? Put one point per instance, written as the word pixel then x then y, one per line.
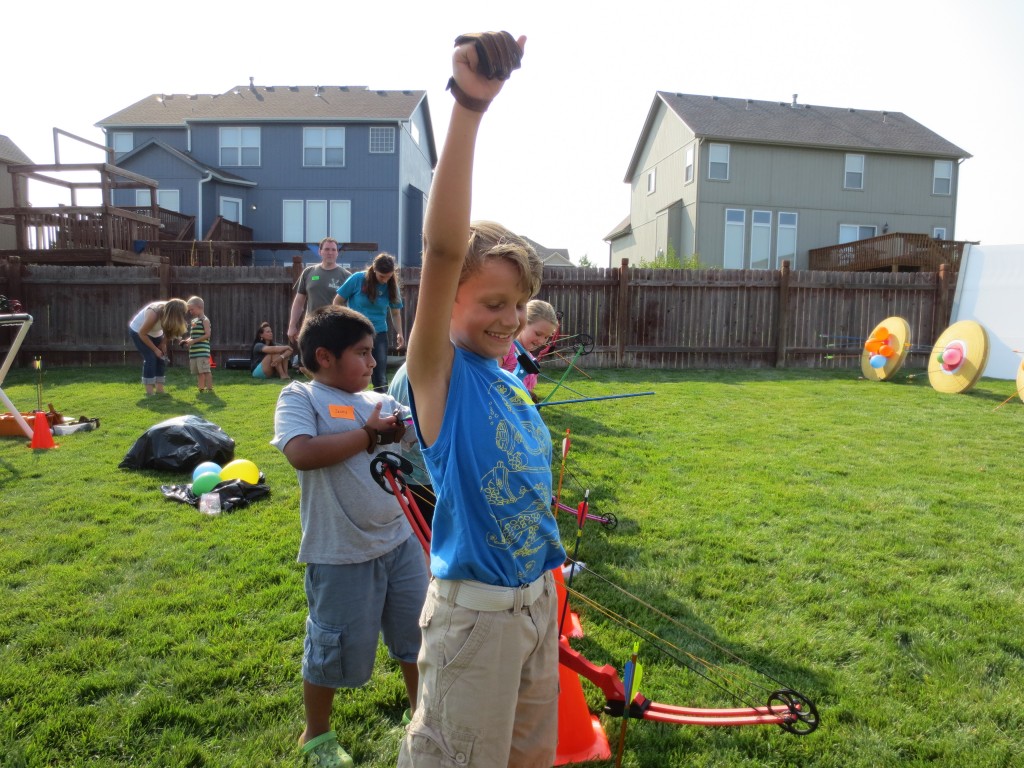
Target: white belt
pixel 486 597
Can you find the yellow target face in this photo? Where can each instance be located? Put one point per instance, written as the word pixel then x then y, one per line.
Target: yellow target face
pixel 1020 380
pixel 886 349
pixel 958 358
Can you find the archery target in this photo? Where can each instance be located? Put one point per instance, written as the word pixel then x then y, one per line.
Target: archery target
pixel 958 358
pixel 1020 379
pixel 890 339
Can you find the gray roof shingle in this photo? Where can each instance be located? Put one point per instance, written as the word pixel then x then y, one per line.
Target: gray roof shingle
pixel 263 103
pixel 806 125
pixel 11 153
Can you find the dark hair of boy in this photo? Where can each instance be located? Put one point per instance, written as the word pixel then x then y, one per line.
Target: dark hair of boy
pixel 335 329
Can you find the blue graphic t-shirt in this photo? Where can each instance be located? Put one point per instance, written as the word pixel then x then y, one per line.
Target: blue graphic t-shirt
pixel 491 471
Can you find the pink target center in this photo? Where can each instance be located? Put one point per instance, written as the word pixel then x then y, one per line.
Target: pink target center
pixel 952 356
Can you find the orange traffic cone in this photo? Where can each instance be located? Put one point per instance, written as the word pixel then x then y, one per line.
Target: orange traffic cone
pixel 572 627
pixel 41 437
pixel 580 735
pixel 213 363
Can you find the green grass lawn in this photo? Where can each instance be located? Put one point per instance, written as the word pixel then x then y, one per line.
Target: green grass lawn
pixel 861 542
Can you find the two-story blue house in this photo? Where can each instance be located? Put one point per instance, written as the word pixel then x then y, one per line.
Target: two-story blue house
pixel 293 163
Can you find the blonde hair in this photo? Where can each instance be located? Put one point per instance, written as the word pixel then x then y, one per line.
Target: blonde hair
pixel 538 310
pixel 490 240
pixel 173 317
pixel 195 301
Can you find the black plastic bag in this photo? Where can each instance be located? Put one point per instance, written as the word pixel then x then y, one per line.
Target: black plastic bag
pixel 180 444
pixel 234 494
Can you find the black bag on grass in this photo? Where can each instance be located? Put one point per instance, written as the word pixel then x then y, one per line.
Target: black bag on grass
pixel 234 494
pixel 180 444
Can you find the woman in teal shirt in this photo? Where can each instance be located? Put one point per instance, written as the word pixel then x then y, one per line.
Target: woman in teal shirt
pixel 375 293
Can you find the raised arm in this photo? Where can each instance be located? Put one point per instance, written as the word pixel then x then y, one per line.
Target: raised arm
pixel 474 84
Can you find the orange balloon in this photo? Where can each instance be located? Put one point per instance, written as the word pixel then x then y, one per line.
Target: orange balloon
pixel 886 351
pixel 873 346
pixel 881 333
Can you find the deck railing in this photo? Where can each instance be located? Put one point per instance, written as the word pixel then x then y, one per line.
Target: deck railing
pixel 893 252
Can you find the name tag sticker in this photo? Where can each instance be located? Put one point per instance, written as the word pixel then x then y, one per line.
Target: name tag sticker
pixel 314 277
pixel 342 412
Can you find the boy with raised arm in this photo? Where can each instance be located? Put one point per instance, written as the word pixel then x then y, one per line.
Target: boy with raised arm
pixel 488 665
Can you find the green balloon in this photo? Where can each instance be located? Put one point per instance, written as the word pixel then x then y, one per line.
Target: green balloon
pixel 205 483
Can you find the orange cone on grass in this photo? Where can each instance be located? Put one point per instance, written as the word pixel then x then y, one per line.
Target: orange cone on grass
pixel 580 735
pixel 41 437
pixel 572 627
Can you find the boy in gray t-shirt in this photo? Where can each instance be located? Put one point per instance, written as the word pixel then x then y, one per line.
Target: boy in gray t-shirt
pixel 360 552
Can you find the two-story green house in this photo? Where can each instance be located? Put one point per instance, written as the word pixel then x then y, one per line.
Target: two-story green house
pixel 745 184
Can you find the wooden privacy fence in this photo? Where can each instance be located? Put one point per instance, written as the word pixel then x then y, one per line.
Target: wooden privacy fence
pixel 638 318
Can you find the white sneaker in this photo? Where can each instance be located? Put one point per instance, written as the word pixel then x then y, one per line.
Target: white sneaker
pixel 569 568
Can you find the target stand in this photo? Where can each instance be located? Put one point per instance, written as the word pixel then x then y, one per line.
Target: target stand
pixel 24 322
pixel 958 358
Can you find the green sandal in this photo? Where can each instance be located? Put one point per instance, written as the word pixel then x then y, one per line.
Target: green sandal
pixel 325 751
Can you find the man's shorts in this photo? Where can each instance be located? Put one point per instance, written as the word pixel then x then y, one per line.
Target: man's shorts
pixel 199 364
pixel 349 607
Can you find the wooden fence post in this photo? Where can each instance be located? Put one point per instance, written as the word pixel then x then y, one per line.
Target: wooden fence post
pixel 165 277
pixel 783 321
pixel 622 321
pixel 942 309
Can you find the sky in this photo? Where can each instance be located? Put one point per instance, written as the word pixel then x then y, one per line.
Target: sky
pixel 555 145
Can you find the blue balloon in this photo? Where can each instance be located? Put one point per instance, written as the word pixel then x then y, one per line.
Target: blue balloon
pixel 877 361
pixel 202 469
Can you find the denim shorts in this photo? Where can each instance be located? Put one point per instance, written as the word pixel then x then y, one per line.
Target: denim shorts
pixel 351 605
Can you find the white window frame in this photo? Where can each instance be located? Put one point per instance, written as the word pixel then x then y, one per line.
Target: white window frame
pixel 414 131
pixel 715 152
pixel 242 140
pixel 939 233
pixel 323 147
pixel 293 221
pixel 735 233
pixel 652 180
pixel 169 199
pixel 942 171
pixel 783 250
pixel 853 172
pixel 310 221
pixel 231 202
pixel 688 168
pixel 760 240
pixel 861 232
pixel 382 139
pixel 122 142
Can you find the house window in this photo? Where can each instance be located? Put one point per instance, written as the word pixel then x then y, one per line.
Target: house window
pixel 122 142
pixel 239 146
pixel 382 140
pixel 849 233
pixel 231 209
pixel 165 198
pixel 735 234
pixel 939 233
pixel 761 240
pixel 854 177
pixel 414 131
pixel 785 239
pixel 688 172
pixel 718 165
pixel 310 221
pixel 942 177
pixel 651 180
pixel 323 147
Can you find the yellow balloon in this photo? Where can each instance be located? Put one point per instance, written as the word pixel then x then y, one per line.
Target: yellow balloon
pixel 241 469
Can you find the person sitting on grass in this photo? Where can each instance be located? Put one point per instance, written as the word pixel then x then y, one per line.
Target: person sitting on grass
pixel 365 571
pixel 488 667
pixel 267 358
